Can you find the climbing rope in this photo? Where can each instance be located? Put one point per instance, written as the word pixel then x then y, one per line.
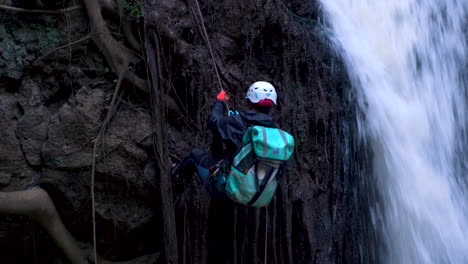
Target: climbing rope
pixel 266 233
pixel 209 44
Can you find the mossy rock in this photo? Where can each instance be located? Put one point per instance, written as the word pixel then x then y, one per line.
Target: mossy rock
pixel 21 42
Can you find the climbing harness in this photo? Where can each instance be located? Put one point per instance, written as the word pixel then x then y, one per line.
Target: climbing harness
pixel 214 171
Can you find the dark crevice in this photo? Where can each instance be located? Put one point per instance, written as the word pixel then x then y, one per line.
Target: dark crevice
pixel 19 111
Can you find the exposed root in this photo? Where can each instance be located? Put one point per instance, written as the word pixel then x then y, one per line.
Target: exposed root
pixel 110 5
pixel 97 143
pixel 116 54
pixel 119 58
pixel 139 83
pixel 37 204
pixel 128 32
pixel 159 124
pixel 39 11
pixel 54 50
pixel 61 47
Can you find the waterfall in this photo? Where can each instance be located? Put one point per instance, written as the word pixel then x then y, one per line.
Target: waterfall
pixel 407 61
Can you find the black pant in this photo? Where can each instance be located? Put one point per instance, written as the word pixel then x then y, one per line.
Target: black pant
pixel 201 162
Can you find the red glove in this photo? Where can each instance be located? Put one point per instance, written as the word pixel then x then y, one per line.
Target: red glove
pixel 223 96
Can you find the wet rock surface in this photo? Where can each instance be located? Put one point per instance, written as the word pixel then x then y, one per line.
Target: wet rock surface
pixel 51 113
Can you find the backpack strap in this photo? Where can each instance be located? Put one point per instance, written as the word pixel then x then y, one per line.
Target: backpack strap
pixel 257 184
pixel 262 186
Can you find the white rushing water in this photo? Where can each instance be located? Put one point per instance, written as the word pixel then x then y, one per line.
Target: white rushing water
pixel 406 58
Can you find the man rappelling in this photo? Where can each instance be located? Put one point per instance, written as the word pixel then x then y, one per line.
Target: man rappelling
pixel 254 154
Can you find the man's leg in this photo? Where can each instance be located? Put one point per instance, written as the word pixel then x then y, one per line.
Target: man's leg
pixel 199 161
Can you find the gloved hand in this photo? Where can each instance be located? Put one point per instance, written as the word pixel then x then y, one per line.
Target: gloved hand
pixel 223 96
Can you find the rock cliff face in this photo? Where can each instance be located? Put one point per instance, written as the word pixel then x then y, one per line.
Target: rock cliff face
pixel 52 110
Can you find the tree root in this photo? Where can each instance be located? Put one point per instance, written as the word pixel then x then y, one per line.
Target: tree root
pixel 97 143
pixel 39 11
pixel 37 204
pixel 61 47
pixel 52 51
pixel 160 147
pixel 116 54
pixel 128 32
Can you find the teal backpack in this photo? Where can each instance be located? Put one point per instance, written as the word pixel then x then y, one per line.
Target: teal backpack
pixel 251 179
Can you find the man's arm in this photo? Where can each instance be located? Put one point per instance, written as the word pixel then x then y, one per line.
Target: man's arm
pixel 217 113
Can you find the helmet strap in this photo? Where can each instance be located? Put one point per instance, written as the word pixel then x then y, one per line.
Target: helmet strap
pixel 259 108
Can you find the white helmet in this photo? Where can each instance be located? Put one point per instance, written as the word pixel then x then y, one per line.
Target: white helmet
pixel 261 90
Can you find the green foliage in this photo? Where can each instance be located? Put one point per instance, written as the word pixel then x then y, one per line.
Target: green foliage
pixel 21 41
pixel 50 37
pixel 13 57
pixel 133 8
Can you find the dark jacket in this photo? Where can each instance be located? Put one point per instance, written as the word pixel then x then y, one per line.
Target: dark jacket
pixel 230 129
